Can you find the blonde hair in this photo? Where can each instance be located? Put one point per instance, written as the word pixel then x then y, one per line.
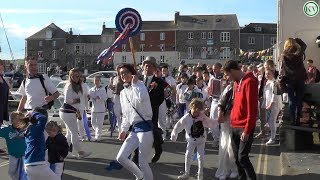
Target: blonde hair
pixel 76 87
pixel 291 46
pixel 196 103
pixel 54 125
pixel 20 117
pixel 16 115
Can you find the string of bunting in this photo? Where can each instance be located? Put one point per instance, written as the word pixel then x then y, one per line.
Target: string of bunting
pixel 265 54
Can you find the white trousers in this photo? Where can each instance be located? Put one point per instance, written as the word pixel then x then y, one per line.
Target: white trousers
pixel 143 140
pixel 271 118
pixel 97 119
pixel 58 168
pixel 70 120
pixel 200 145
pixel 42 171
pixel 214 115
pixel 117 109
pixel 162 122
pixel 81 125
pixel 14 167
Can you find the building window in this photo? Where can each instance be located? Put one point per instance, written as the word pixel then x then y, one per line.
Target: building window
pixel 203 52
pixel 41 68
pixel 225 53
pixel 123 47
pixel 210 35
pixel 79 49
pixel 203 35
pixel 142 37
pixel 251 40
pixel 54 43
pixel 124 59
pixel 48 34
pixel 162 47
pixel 210 50
pixel 225 36
pixel 110 39
pixel 40 43
pixel 40 55
pixel 190 52
pixel 257 29
pixel 104 39
pixel 83 63
pixel 142 47
pixel 273 40
pixel 162 59
pixel 162 36
pixel 54 54
pixel 190 35
pixel 251 50
pixel 141 59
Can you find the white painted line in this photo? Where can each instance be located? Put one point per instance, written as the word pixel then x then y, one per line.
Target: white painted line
pixel 4 163
pixel 265 165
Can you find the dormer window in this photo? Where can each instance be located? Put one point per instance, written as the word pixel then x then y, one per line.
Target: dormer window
pixel 257 29
pixel 48 34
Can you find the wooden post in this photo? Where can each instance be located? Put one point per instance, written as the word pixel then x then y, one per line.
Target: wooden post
pixel 133 53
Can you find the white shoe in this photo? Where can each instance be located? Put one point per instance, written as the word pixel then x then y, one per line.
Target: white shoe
pixel 184 176
pixel 215 144
pixel 233 175
pixel 222 177
pixel 199 177
pixel 84 154
pixel 271 142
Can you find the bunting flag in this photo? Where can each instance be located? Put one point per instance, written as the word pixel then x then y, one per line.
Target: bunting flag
pixel 86 126
pixel 266 54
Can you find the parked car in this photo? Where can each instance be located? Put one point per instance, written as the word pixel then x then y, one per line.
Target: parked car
pixel 16 78
pixel 105 77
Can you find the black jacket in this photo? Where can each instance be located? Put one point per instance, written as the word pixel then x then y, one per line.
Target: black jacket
pixel 292 67
pixel 57 148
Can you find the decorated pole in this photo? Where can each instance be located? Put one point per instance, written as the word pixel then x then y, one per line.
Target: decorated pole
pixel 133 53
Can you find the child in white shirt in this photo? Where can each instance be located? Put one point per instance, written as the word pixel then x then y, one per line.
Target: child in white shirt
pixel 193 123
pixel 191 92
pixel 272 103
pixel 181 88
pixel 98 96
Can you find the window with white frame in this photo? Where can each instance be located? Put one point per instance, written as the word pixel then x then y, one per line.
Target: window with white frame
pixel 162 47
pixel 79 49
pixel 54 54
pixel 162 59
pixel 273 40
pixel 203 52
pixel 210 35
pixel 124 47
pixel 225 36
pixel 210 50
pixel 41 68
pixel 257 29
pixel 251 50
pixel 40 43
pixel 190 52
pixel 76 62
pixel 162 36
pixel 203 35
pixel 124 59
pixel 40 55
pixel 190 35
pixel 54 43
pixel 251 40
pixel 83 63
pixel 142 47
pixel 104 39
pixel 225 53
pixel 141 59
pixel 142 36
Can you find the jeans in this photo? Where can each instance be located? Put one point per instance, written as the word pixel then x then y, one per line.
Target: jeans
pixel 241 152
pixel 181 109
pixel 295 95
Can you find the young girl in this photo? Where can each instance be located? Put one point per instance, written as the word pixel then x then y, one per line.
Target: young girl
pixel 272 104
pixel 34 160
pixel 193 123
pixel 57 146
pixel 16 146
pixel 192 92
pixel 98 95
pixel 181 88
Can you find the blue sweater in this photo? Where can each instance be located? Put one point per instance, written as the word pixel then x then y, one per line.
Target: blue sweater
pixel 15 141
pixel 35 140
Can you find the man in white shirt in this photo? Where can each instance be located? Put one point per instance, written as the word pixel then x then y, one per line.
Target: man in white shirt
pixel 32 91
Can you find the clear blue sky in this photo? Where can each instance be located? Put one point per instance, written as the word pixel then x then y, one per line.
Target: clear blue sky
pixel 24 18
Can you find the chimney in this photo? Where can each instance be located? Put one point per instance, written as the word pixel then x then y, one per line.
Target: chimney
pixel 176 16
pixel 103 26
pixel 70 31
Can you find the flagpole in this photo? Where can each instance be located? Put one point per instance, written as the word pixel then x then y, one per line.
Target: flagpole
pixel 133 53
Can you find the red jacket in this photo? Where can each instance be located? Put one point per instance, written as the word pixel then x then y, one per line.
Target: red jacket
pixel 245 103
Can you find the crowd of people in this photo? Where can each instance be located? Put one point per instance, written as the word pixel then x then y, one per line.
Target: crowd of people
pixel 225 101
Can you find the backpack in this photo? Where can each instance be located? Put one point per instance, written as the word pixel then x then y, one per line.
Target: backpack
pixel 40 76
pixel 197 129
pixel 317 75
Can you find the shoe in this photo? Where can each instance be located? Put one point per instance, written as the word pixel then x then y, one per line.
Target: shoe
pixel 271 142
pixel 222 177
pixel 70 148
pixel 260 135
pixel 82 138
pixel 215 144
pixel 199 177
pixel 155 158
pixel 84 154
pixel 234 175
pixel 184 176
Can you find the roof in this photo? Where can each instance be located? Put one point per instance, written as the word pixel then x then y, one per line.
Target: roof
pixel 108 30
pixel 266 28
pixel 84 39
pixel 158 25
pixel 207 22
pixel 56 32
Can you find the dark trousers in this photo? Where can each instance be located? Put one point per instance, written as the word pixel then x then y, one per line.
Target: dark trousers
pixel 295 95
pixel 241 152
pixel 181 109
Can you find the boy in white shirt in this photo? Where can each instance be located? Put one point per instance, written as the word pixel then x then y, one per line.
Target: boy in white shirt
pixel 181 88
pixel 98 96
pixel 272 104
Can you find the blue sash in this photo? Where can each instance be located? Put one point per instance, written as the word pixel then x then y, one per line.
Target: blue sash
pixel 143 126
